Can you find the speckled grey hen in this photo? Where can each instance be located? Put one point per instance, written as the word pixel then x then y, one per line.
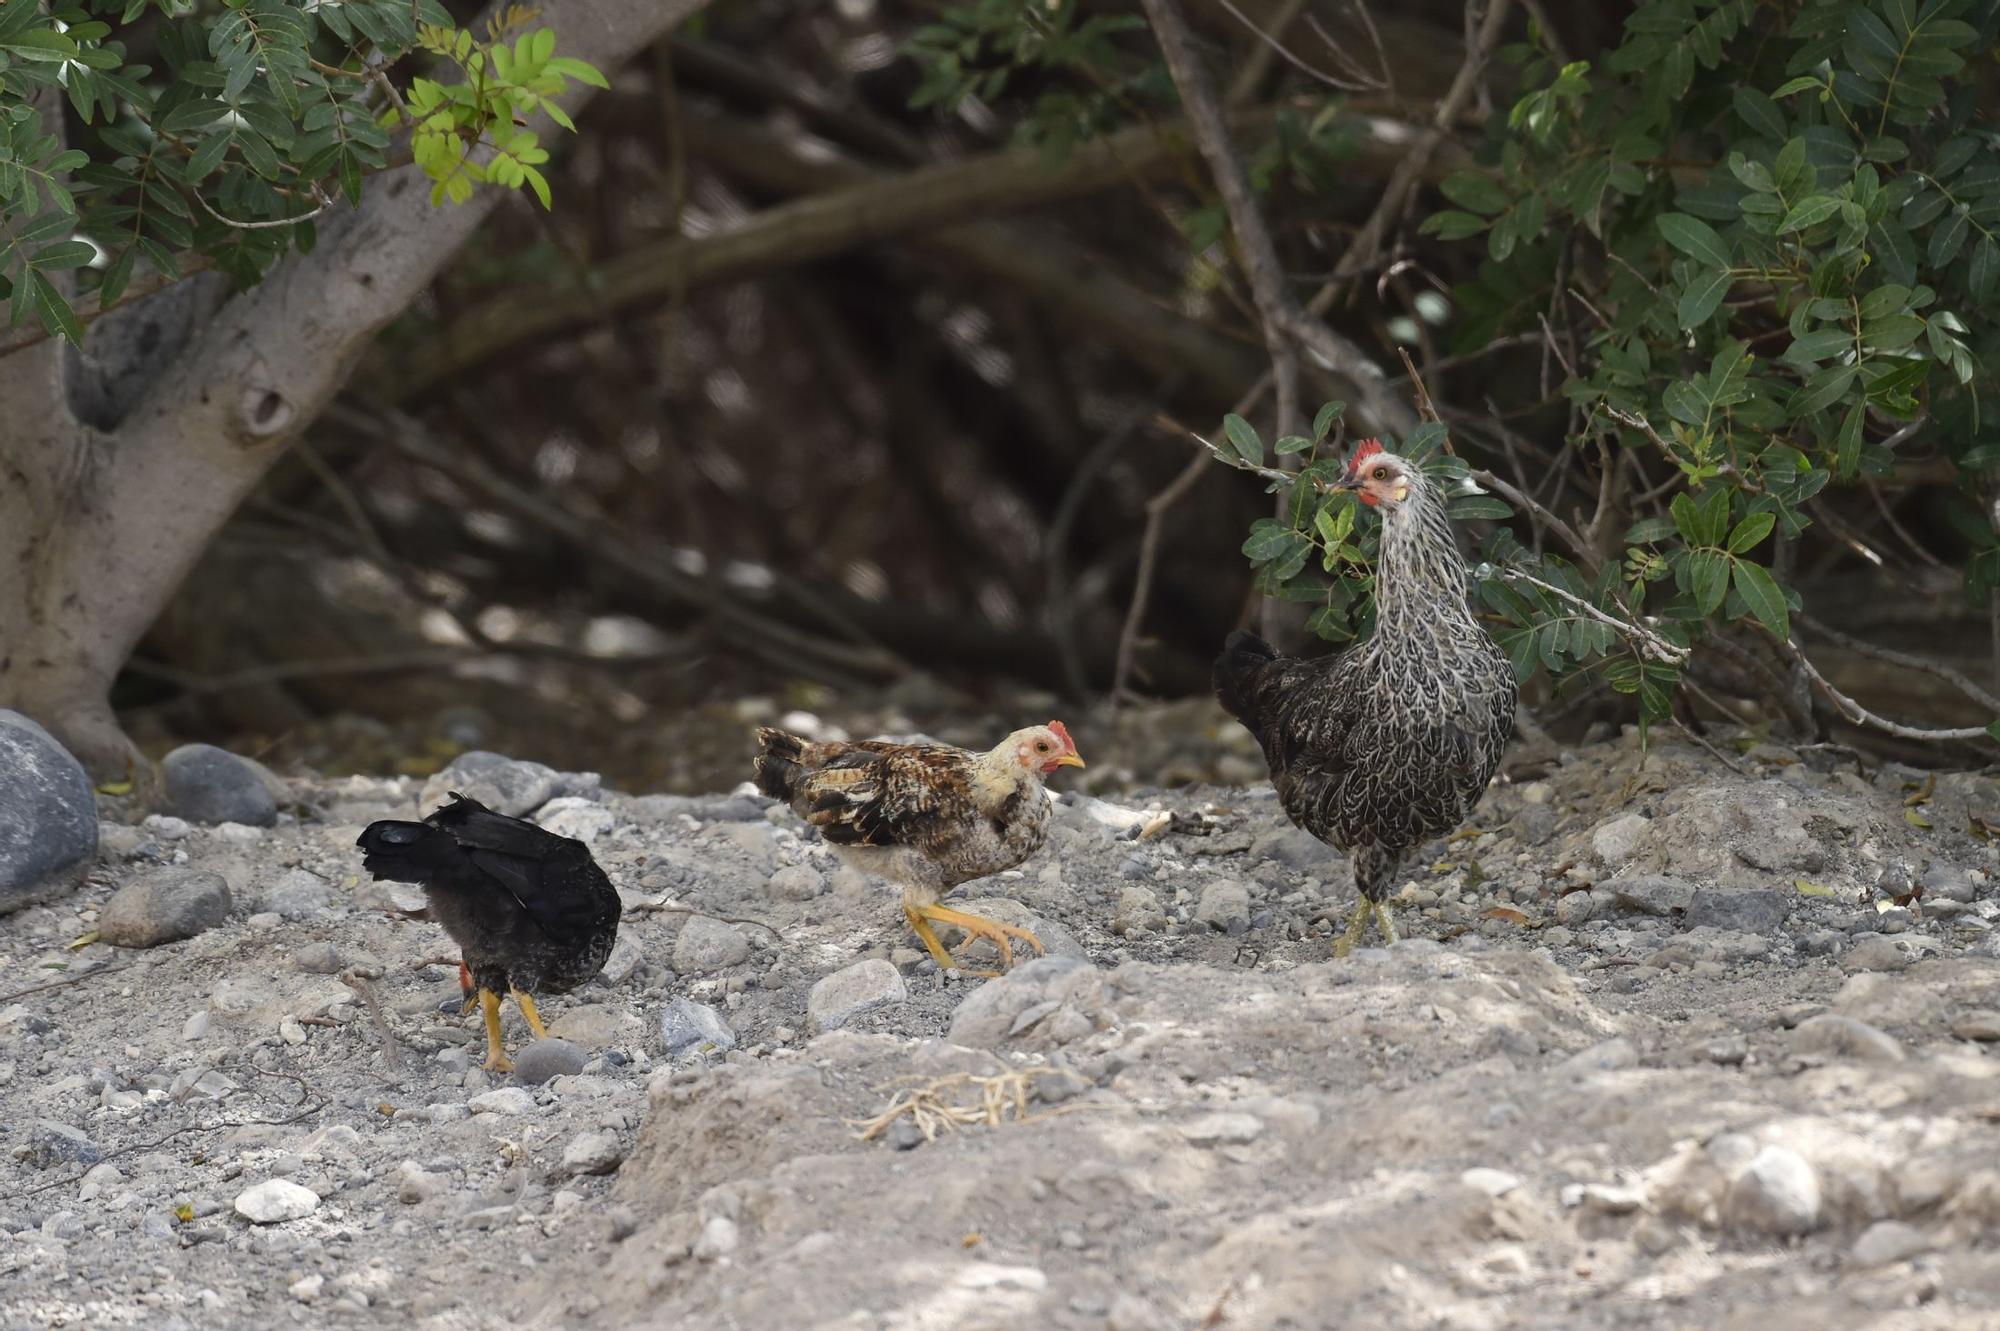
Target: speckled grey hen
pixel 1391 742
pixel 531 911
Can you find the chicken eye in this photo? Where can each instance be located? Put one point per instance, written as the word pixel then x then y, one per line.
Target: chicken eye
pixel 1381 473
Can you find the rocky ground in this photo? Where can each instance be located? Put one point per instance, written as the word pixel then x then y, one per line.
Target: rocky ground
pixel 1675 1039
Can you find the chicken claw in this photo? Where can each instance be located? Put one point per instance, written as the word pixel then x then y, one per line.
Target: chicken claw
pixel 1357 925
pixel 978 926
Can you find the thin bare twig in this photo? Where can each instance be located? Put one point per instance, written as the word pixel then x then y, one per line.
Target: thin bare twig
pixel 1861 716
pixel 1956 679
pixel 66 981
pixel 1284 53
pixel 1149 554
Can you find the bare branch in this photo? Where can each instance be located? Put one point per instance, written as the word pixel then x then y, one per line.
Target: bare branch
pixel 1963 683
pixel 1282 319
pixel 1284 52
pixel 1861 716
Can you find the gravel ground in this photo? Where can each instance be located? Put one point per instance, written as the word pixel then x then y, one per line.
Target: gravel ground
pixel 1674 1040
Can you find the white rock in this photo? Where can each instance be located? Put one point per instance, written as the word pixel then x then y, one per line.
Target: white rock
pixel 506 1100
pixel 1777 1194
pixel 1888 1241
pixel 718 1239
pixel 593 1153
pixel 416 1184
pixel 195 1027
pixel 306 1290
pixel 1492 1182
pixel 1617 841
pixel 839 998
pixel 584 820
pixel 291 1032
pixel 275 1201
pixel 1223 1129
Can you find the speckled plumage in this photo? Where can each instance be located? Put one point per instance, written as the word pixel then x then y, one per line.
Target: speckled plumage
pixel 925 816
pixel 531 911
pixel 1390 743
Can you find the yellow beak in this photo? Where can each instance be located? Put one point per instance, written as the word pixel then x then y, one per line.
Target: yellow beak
pixel 1070 759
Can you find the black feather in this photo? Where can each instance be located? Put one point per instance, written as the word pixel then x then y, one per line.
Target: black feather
pixel 530 909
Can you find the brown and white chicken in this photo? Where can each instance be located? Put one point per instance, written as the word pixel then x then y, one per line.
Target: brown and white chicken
pixel 927 817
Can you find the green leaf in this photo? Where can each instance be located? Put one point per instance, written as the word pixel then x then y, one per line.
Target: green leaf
pixel 1695 238
pixel 67 254
pixel 1809 211
pixel 1703 296
pixel 1948 237
pixel 57 316
pixel 1708 578
pixel 1243 438
pixel 1750 532
pixel 1291 443
pixel 1480 506
pixel 1984 275
pixel 1759 591
pixel 1759 112
pixel 1822 390
pixel 1848 460
pixel 1268 539
pixel 1475 192
pixel 1328 414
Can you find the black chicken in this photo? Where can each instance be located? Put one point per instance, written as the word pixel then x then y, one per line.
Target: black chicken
pixel 1390 743
pixel 530 910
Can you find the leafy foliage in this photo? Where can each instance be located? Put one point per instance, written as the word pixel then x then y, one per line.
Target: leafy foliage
pixel 259 115
pixel 1783 220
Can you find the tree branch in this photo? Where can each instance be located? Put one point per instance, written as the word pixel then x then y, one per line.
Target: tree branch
pixel 1286 325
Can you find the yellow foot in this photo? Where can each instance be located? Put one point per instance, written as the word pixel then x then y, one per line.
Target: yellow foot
pixel 923 930
pixel 526 1002
pixel 496 1054
pixel 978 926
pixel 1357 926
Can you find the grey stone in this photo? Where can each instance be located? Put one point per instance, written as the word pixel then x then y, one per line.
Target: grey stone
pixel 1574 908
pixel 1050 1000
pixel 1946 881
pixel 1835 1036
pixel 1226 1128
pixel 1618 840
pixel 686 1025
pixel 1649 894
pixel 48 816
pixel 1776 1194
pixel 1877 952
pixel 543 1059
pixel 839 998
pixel 210 785
pixel 502 784
pixel 164 906
pixel 1293 847
pixel 275 1201
pixel 329 958
pixel 1977 1024
pixel 298 895
pixel 592 1153
pixel 51 1144
pixel 1534 824
pixel 1609 1056
pixel 1888 1241
pixel 797 882
pixel 1746 911
pixel 1225 906
pixel 1138 908
pixel 732 809
pixel 706 945
pixel 416 1184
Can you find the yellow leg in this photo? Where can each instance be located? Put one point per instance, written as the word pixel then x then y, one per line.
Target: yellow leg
pixel 929 937
pixel 526 1002
pixel 1388 923
pixel 496 1054
pixel 1357 924
pixel 1000 935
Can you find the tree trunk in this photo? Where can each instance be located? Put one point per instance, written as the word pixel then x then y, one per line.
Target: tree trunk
pixel 126 458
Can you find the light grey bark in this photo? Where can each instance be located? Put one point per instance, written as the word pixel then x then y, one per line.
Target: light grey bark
pixel 118 464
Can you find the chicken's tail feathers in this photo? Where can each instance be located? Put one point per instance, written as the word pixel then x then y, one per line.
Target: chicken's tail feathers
pixel 780 761
pixel 1238 672
pixel 473 826
pixel 402 852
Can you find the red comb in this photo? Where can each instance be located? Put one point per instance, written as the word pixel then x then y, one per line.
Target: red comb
pixel 1062 733
pixel 1366 449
